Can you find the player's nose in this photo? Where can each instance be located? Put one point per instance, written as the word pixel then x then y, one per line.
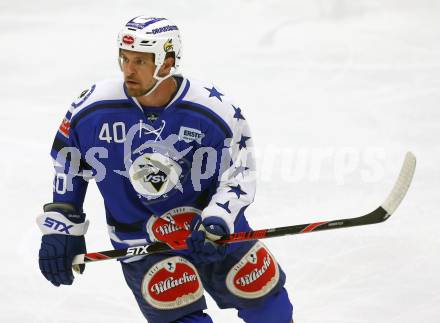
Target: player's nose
pixel 129 68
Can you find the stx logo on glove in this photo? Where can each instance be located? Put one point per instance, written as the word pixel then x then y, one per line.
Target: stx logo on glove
pixel 57 225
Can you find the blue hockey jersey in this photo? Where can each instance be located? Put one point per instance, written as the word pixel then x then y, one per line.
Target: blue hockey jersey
pixel 195 152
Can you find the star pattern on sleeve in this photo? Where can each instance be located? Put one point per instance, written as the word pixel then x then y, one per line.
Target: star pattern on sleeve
pixel 237 190
pixel 242 142
pixel 214 93
pixel 237 114
pixel 239 170
pixel 224 206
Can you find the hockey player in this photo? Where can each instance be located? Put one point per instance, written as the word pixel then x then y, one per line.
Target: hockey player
pixel 172 158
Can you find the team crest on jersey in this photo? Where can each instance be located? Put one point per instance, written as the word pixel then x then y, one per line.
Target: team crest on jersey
pixel 255 275
pixel 190 134
pixel 153 174
pixel 83 96
pixel 173 225
pixel 172 283
pixel 64 128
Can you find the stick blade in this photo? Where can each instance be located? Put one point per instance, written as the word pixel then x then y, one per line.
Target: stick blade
pixel 402 184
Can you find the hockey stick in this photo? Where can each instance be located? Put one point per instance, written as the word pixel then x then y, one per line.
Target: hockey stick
pixel 381 214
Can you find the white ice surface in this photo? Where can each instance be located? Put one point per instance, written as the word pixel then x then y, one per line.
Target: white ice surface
pixel 356 82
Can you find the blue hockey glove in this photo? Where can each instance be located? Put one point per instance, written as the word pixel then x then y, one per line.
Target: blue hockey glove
pixel 63 231
pixel 201 243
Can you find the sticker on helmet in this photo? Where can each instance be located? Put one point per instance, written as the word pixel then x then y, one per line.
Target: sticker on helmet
pixel 255 275
pixel 172 283
pixel 128 39
pixel 164 29
pixel 168 46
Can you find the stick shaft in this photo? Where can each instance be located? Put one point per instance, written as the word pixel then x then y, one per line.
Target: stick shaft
pixel 380 214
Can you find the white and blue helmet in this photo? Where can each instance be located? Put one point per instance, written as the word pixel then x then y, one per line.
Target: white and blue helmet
pixel 158 36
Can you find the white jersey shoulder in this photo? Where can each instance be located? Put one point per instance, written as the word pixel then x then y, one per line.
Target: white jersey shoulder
pixel 107 90
pixel 212 97
pixel 236 188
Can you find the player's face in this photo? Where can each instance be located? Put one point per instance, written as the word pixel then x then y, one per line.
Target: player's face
pixel 138 69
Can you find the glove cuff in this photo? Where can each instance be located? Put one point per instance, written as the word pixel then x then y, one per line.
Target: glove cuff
pixel 66 209
pixel 62 218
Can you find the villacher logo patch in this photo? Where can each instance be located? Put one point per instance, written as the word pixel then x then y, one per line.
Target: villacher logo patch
pixel 172 283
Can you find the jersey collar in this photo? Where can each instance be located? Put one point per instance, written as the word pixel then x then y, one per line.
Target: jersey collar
pixel 181 92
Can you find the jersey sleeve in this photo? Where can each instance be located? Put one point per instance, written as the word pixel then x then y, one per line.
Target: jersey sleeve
pixel 236 184
pixel 71 170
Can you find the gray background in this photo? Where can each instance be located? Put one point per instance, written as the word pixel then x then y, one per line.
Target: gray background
pixel 335 92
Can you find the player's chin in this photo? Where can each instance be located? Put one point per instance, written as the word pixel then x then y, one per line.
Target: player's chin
pixel 134 89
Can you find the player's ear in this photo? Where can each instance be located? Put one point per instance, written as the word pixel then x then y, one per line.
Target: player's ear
pixel 167 64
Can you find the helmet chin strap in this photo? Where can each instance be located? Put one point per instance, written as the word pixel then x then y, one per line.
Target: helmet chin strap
pixel 159 79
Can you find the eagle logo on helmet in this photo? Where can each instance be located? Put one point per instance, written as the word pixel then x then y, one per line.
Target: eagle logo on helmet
pixel 168 46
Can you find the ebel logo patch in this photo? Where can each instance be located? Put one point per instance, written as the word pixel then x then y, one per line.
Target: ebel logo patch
pixel 172 283
pixel 190 134
pixel 255 275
